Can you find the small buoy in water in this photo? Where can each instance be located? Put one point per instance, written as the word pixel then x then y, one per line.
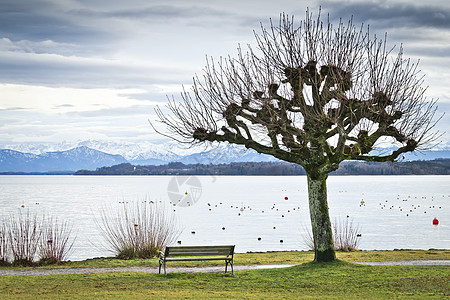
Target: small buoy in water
pixel 281 241
pixel 259 239
pixel 223 228
pixel 435 221
pixel 286 198
pixel 23 205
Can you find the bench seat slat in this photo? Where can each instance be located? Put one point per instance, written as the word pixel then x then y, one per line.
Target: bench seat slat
pixel 196 258
pixel 198 250
pixel 196 253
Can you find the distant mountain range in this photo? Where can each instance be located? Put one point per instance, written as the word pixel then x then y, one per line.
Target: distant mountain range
pixel 90 155
pixel 85 158
pixel 59 161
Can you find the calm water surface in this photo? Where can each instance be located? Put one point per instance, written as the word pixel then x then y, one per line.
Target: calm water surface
pixel 251 212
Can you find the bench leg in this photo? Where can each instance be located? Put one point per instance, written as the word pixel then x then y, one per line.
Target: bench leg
pixel 231 264
pixel 164 264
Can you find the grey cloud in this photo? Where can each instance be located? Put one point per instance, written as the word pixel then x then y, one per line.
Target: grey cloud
pixel 430 51
pixel 154 12
pixel 64 105
pixel 13 108
pixel 383 14
pixel 41 47
pixel 44 20
pixel 77 72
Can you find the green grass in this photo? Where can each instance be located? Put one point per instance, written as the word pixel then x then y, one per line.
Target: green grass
pixel 339 280
pixel 264 258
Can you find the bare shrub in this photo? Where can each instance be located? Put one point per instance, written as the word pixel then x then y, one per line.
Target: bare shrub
pixel 23 235
pixel 308 239
pixel 345 236
pixel 56 242
pixel 4 251
pixel 138 230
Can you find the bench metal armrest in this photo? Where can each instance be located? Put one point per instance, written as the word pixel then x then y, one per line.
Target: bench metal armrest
pixel 162 262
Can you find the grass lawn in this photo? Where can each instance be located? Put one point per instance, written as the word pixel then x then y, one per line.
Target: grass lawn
pixel 264 258
pixel 339 280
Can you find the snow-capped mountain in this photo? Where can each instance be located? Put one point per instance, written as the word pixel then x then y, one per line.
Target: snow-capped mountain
pixel 225 154
pixel 70 160
pixel 108 154
pixel 92 154
pixel 140 152
pixel 135 151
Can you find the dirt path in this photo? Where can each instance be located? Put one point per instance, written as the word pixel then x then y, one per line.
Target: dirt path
pixel 32 271
pixel 426 262
pixel 49 271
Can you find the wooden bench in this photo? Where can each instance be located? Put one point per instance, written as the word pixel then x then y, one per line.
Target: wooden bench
pixel 191 253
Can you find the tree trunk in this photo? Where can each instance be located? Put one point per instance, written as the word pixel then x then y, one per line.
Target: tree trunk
pixel 320 219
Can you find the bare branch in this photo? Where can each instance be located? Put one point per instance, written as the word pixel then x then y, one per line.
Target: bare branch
pixel 313 93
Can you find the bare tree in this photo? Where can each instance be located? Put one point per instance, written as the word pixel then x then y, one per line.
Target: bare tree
pixel 314 95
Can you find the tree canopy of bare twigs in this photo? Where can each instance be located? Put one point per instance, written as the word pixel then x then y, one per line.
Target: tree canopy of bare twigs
pixel 310 93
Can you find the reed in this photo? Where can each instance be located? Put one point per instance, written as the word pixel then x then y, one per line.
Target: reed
pixel 55 242
pixel 345 236
pixel 138 230
pixel 4 250
pixel 23 235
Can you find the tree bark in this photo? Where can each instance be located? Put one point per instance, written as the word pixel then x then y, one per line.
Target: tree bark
pixel 320 219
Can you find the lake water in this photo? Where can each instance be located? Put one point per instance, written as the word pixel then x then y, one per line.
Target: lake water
pixel 251 212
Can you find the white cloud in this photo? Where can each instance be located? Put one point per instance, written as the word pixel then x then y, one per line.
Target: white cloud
pixel 96 68
pixel 62 100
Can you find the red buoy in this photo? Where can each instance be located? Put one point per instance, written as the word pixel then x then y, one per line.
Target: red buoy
pixel 435 221
pixel 286 198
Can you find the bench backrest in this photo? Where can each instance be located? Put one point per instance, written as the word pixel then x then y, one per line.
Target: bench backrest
pixel 199 250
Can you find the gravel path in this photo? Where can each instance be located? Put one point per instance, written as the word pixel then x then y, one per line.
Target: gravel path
pixel 424 262
pixel 32 271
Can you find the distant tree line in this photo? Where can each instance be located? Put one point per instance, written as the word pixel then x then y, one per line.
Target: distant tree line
pixel 434 167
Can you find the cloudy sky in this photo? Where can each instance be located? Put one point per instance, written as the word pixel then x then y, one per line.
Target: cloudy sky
pixel 94 69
